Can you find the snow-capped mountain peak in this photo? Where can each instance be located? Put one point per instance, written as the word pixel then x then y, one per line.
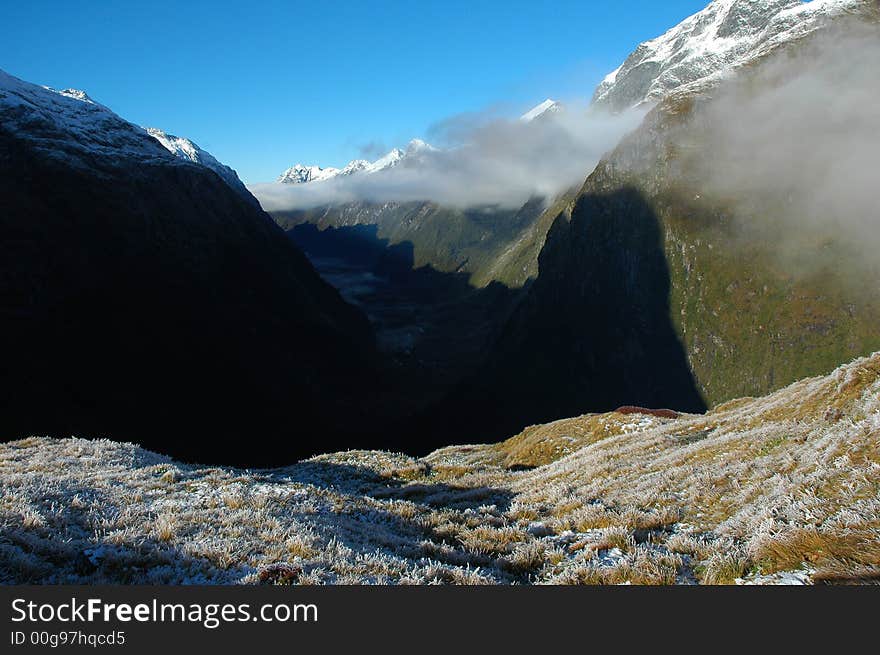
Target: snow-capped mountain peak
pixel 70 125
pixel 411 155
pixel 354 166
pixel 392 158
pixel 707 45
pixel 300 174
pixel 549 106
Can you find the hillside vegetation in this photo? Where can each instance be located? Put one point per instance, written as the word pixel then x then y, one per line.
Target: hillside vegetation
pixel 781 489
pixel 491 244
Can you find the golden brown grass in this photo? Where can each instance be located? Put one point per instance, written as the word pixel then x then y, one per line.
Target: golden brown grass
pixel 598 499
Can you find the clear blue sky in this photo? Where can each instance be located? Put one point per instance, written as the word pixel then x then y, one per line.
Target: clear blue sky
pixel 262 85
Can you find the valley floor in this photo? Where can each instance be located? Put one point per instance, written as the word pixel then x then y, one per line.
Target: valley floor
pixel 782 489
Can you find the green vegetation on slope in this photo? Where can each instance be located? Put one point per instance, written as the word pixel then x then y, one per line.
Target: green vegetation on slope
pixel 490 243
pixel 758 300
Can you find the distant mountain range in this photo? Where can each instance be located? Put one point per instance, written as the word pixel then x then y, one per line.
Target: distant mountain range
pixel 300 174
pixel 416 148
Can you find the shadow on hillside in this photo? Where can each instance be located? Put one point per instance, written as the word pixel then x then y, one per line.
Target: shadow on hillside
pixel 357 480
pixel 432 327
pixel 592 333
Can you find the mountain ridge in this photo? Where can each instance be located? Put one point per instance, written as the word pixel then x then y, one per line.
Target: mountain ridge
pixel 149 287
pixel 74 112
pixel 302 174
pixel 708 45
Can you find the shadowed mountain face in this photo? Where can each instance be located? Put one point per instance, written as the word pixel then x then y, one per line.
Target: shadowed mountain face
pixel 593 331
pixel 150 302
pixel 432 328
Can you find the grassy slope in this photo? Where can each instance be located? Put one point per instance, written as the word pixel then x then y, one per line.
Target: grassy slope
pixel 781 488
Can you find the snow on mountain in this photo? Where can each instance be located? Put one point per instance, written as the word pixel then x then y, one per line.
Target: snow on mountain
pixel 417 146
pixel 711 43
pixel 68 124
pixel 414 151
pixel 300 174
pixel 185 149
pixel 388 160
pixel 549 106
pixel 355 166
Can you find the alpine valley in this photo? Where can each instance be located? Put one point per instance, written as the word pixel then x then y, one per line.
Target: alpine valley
pixel 664 347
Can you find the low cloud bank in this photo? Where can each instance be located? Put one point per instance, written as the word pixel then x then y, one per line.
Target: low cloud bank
pixel 483 161
pixel 797 146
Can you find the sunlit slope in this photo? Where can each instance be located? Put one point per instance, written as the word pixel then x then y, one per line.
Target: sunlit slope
pixel 777 489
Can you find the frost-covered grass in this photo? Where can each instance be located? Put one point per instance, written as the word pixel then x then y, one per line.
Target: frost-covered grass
pixel 778 490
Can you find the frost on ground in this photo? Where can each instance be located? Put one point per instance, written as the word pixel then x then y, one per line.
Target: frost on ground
pixel 777 490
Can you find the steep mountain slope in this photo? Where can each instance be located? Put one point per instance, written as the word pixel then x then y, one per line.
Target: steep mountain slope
pixel 143 298
pixel 186 149
pixel 712 43
pixel 667 288
pixel 777 490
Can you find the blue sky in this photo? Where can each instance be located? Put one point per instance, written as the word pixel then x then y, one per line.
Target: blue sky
pixel 263 85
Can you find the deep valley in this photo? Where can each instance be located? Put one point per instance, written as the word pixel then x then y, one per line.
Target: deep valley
pixel 666 372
